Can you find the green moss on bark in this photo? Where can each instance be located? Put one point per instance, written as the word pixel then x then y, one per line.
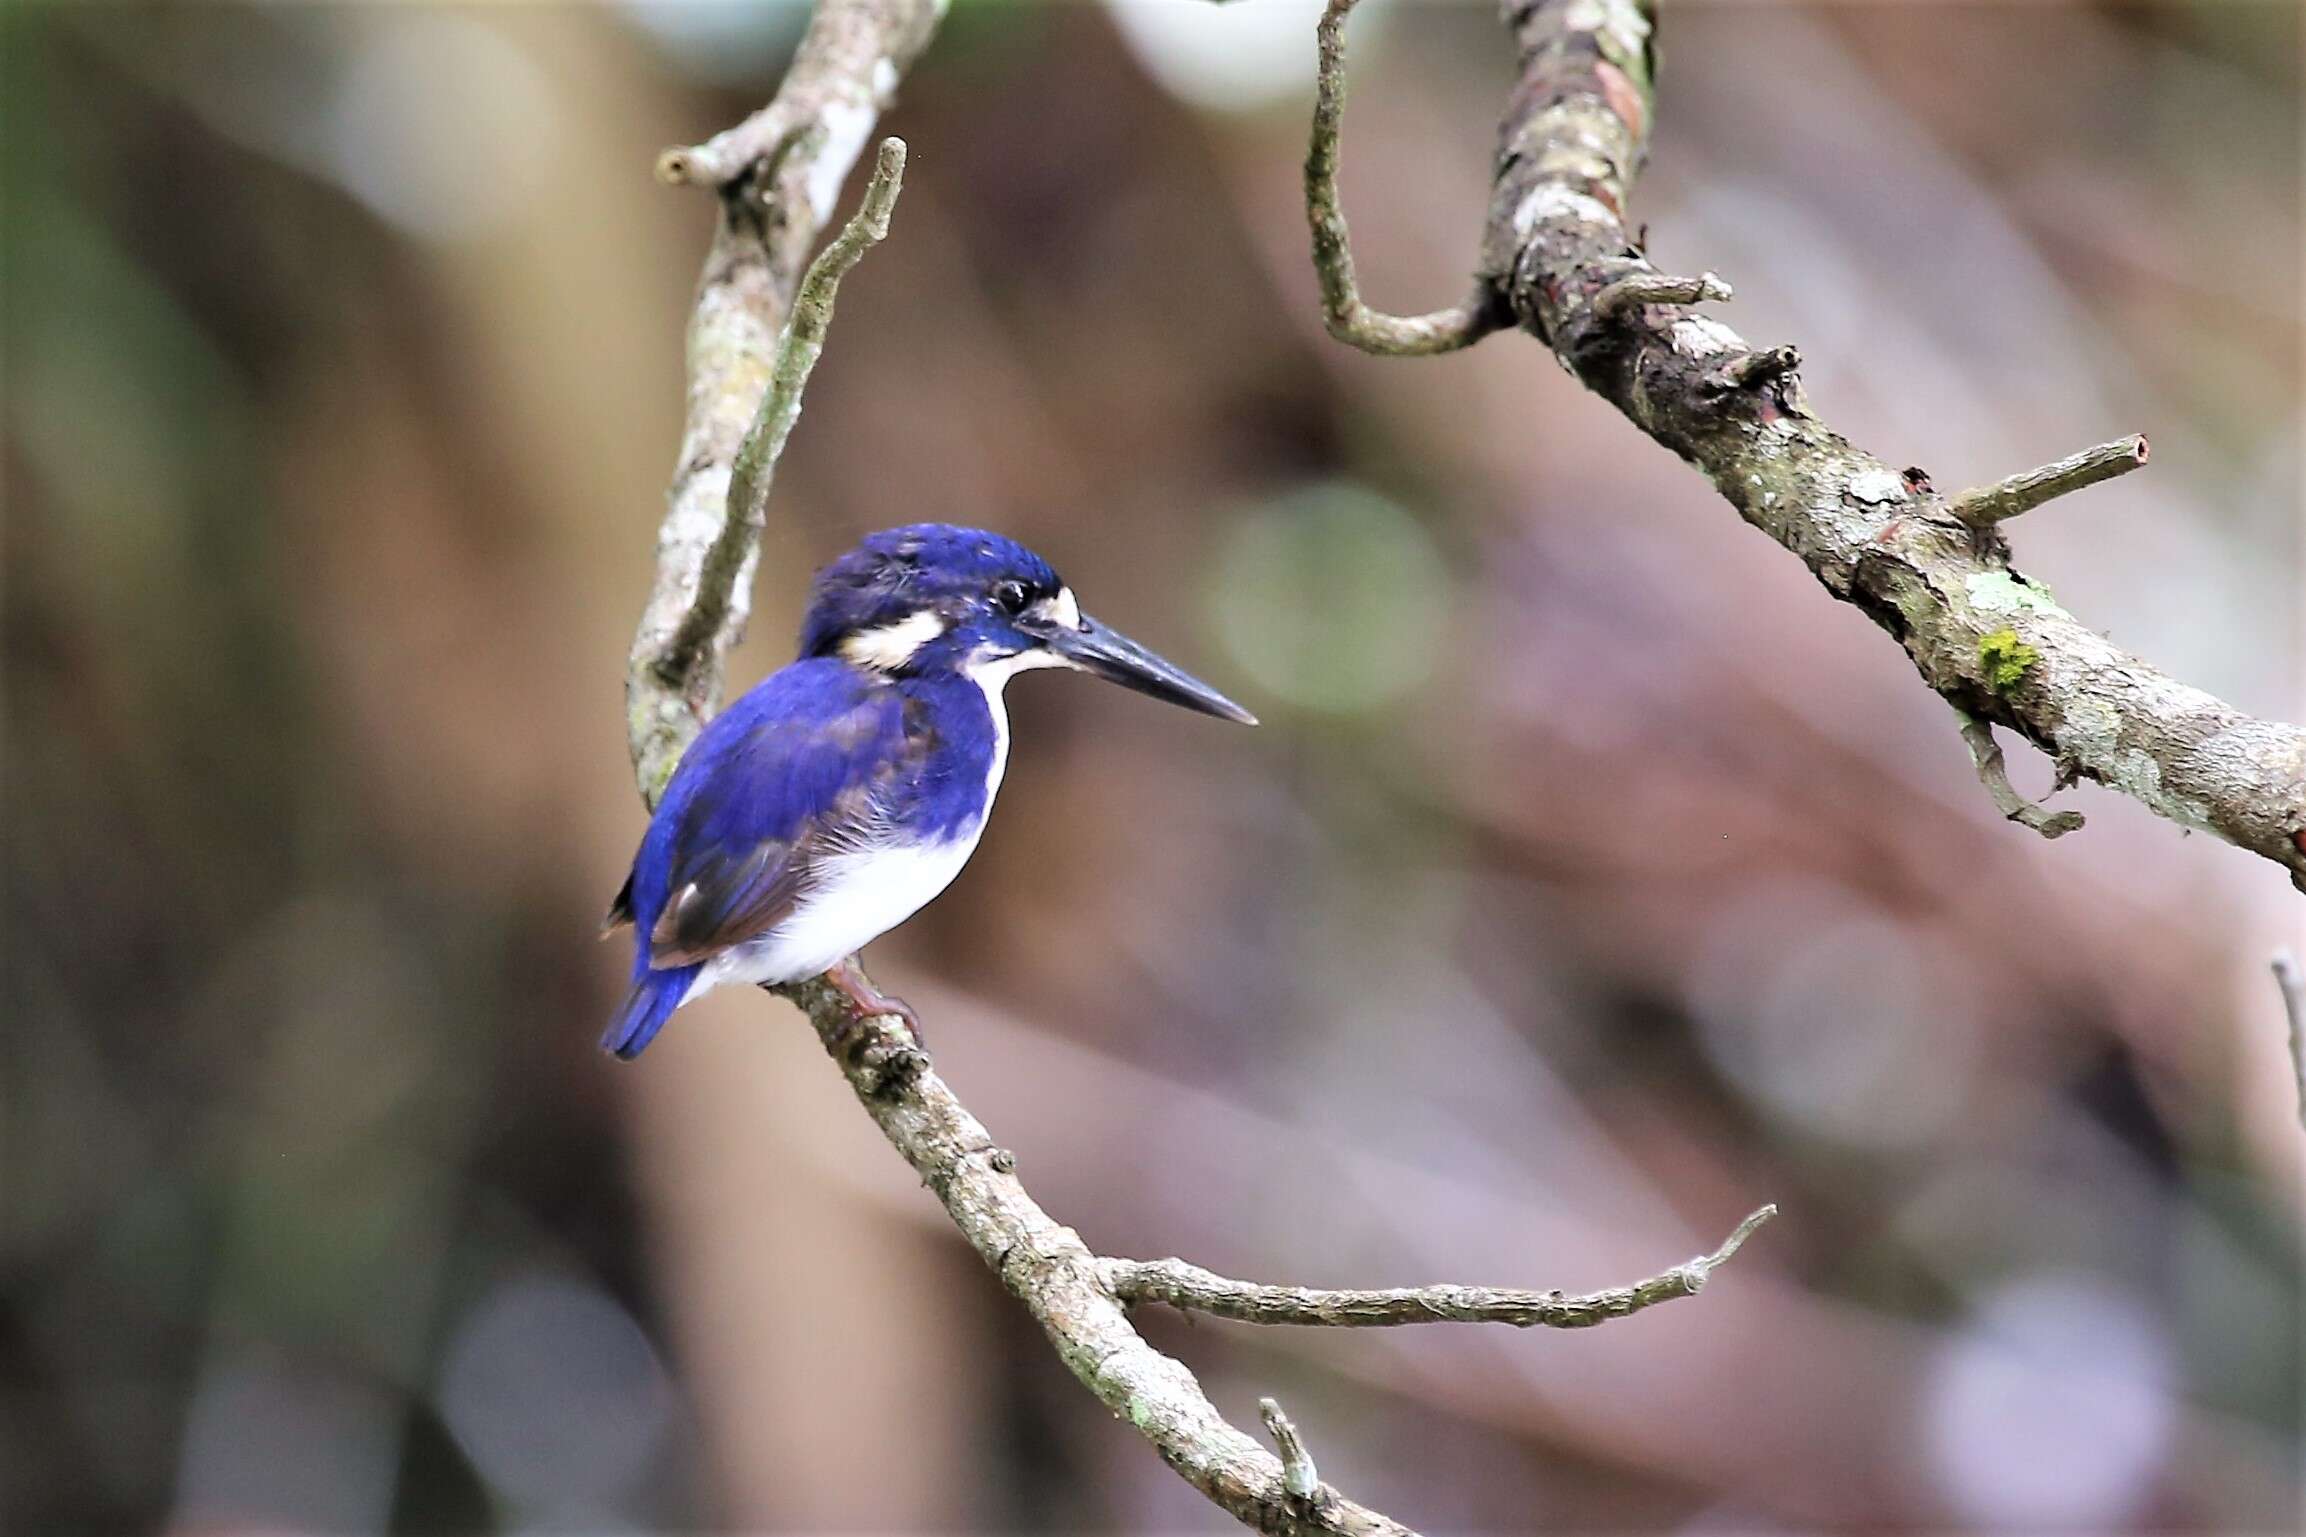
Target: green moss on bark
pixel 2005 659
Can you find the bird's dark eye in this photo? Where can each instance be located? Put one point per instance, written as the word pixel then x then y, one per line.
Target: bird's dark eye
pixel 1011 597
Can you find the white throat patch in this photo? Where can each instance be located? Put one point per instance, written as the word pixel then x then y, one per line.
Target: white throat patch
pixel 992 673
pixel 891 646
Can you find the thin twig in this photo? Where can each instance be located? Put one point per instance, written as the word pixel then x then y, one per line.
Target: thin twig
pixel 1348 319
pixel 2292 982
pixel 1986 753
pixel 1659 288
pixel 1192 1289
pixel 798 348
pixel 1298 1474
pixel 1988 505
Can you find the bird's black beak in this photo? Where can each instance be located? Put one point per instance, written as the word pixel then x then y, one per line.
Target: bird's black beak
pixel 1118 659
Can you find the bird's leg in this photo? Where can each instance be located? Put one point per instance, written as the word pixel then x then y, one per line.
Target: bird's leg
pixel 852 984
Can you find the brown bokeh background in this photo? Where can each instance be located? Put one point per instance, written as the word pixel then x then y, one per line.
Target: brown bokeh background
pixel 1593 879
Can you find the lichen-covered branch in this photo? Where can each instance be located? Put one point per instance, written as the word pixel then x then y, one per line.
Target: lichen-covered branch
pixel 777 177
pixel 1191 1289
pixel 1348 318
pixel 1988 505
pixel 1994 643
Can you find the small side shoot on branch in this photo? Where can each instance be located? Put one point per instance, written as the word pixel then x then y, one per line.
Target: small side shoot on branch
pixel 1988 505
pixel 1986 753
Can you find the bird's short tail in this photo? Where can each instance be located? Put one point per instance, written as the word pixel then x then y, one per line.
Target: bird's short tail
pixel 647 1007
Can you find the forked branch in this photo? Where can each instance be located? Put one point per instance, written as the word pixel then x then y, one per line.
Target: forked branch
pixel 776 177
pixel 1081 1300
pixel 798 347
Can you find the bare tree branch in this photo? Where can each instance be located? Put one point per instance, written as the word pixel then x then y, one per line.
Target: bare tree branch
pixel 1988 505
pixel 778 174
pixel 1062 1284
pixel 2292 982
pixel 1348 319
pixel 1993 643
pixel 1080 1299
pixel 1192 1289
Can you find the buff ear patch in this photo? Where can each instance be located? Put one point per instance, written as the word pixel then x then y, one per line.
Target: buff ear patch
pixel 890 646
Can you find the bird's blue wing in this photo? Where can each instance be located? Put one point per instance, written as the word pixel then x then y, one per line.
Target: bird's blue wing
pixel 799 768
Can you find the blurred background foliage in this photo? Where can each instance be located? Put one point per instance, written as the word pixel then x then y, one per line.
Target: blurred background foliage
pixel 1593 879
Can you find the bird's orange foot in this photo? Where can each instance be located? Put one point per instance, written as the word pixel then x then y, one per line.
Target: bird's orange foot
pixel 868 1000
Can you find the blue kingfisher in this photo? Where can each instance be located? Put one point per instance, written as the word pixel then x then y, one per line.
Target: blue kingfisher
pixel 834 800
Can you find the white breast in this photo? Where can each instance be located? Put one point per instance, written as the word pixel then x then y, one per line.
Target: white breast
pixel 857 898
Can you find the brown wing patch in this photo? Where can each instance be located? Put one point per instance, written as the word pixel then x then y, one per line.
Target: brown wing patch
pixel 733 902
